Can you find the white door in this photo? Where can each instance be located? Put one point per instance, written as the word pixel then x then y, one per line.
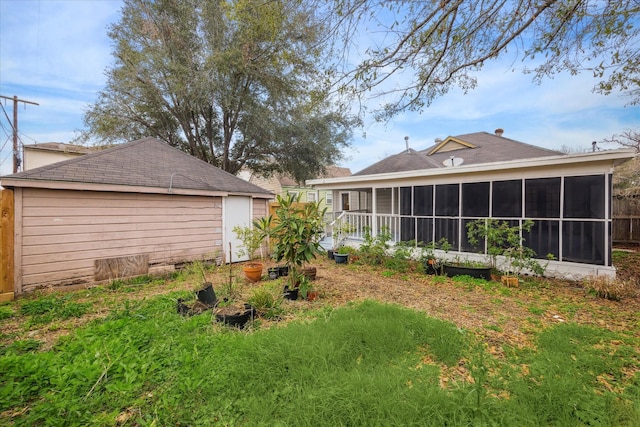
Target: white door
pixel 237 211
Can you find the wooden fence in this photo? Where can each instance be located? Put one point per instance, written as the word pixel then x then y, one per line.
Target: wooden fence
pixel 6 245
pixel 626 218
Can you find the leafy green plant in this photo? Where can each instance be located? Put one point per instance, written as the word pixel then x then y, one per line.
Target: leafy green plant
pixel 296 232
pixel 267 301
pixel 503 239
pixel 347 250
pixel 252 239
pixel 6 312
pixel 374 249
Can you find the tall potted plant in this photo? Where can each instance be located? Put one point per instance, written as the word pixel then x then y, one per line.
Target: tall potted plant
pixel 295 231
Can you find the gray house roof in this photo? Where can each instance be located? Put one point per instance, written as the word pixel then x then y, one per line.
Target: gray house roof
pixel 472 148
pixel 147 162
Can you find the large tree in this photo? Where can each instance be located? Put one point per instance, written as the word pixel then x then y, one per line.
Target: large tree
pixel 417 50
pixel 237 83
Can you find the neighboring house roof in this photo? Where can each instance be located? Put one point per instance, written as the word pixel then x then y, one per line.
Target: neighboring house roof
pixel 472 148
pixel 60 147
pixel 145 163
pixel 330 172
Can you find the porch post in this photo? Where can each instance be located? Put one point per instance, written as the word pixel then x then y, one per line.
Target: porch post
pixel 374 212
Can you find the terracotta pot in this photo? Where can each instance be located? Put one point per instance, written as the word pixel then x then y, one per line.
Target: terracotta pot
pixel 312 295
pixel 253 271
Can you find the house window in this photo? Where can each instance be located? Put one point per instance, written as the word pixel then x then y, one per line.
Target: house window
pixel 447 200
pixel 345 201
pixel 424 230
pixel 329 198
pixel 407 228
pixel 475 199
pixel 542 198
pixel 423 200
pixel 405 201
pixel 544 238
pixel 293 193
pixel 584 197
pixel 507 199
pixel 447 228
pixel 311 196
pixel 583 241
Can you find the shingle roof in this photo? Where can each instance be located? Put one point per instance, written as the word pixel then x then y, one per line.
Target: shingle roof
pixel 331 171
pixel 486 148
pixel 60 147
pixel 147 162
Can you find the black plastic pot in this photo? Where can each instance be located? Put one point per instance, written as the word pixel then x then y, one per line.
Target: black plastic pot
pixel 237 320
pixel 274 272
pixel 290 294
pixel 341 258
pixel 207 295
pixel 283 270
pixel 330 253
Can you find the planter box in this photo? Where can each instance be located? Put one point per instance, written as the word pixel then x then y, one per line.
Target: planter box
pixel 476 272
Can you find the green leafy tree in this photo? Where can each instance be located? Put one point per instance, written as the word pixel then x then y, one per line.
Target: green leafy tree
pixel 236 83
pixel 431 46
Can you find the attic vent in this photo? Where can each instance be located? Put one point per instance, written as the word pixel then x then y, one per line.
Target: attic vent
pixel 499 131
pixel 453 161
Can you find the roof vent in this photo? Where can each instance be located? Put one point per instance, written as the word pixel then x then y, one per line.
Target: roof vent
pixel 438 140
pixel 406 142
pixel 453 161
pixel 499 131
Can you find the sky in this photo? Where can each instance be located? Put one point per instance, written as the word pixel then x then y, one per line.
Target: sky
pixel 55 53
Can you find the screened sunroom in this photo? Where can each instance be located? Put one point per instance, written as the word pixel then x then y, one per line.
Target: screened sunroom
pixel 428 195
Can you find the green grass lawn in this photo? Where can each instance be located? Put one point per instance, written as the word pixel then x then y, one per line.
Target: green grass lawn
pixel 366 364
pixel 361 364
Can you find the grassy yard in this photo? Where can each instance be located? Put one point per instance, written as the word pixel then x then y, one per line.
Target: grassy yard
pixel 383 345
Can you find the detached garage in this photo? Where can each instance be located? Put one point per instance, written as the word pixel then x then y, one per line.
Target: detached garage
pixel 136 208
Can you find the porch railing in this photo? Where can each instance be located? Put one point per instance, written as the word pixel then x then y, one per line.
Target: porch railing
pixel 354 225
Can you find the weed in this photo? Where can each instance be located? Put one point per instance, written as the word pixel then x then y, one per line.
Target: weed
pixel 6 312
pixel 493 328
pixel 267 302
pixel 20 347
pixel 51 307
pixel 536 310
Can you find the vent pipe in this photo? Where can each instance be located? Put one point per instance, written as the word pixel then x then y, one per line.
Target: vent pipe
pixel 406 142
pixel 499 131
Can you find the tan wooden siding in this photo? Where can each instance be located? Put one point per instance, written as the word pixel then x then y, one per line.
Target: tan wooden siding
pixel 64 232
pixel 260 207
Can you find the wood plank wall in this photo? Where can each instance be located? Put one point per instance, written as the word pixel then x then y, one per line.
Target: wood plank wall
pixel 65 232
pixel 6 245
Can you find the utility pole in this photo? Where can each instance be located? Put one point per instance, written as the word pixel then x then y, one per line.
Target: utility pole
pixel 14 125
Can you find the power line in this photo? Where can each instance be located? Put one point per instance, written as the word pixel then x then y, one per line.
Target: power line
pixel 14 125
